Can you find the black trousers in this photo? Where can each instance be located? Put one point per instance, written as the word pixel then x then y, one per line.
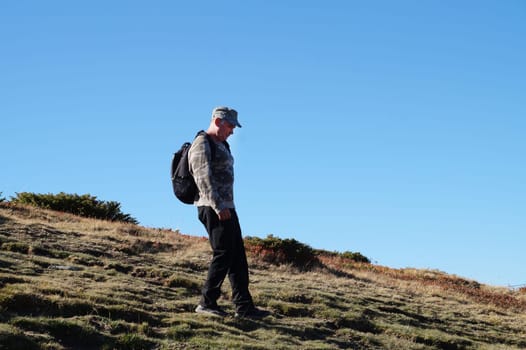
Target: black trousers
pixel 229 258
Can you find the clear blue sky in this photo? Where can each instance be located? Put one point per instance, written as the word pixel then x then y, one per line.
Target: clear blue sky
pixel 396 129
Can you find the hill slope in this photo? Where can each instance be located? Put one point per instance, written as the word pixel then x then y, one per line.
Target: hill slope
pixel 74 283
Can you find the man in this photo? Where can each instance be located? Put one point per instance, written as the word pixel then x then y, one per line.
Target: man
pixel 212 167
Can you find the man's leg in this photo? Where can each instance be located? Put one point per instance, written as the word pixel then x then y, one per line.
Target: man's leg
pixel 220 237
pixel 238 273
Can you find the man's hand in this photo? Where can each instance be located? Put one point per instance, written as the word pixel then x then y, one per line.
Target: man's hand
pixel 224 214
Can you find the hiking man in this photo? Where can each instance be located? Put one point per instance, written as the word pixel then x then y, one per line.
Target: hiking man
pixel 214 177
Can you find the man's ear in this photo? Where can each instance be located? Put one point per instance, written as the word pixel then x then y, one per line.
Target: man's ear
pixel 217 121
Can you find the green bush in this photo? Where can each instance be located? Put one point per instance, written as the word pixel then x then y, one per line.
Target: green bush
pixel 347 255
pixel 355 256
pixel 83 205
pixel 283 251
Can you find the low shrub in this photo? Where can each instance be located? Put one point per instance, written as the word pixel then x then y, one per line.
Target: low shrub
pixel 342 258
pixel 355 256
pixel 283 251
pixel 289 251
pixel 83 205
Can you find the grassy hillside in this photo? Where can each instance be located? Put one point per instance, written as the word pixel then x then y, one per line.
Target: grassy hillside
pixel 74 283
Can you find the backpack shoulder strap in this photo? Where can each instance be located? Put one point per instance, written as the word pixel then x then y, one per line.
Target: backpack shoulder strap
pixel 210 142
pixel 227 146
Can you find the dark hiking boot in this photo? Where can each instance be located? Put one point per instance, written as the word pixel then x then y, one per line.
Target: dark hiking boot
pixel 216 311
pixel 253 313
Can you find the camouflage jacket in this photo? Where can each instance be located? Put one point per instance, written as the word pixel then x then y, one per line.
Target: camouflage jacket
pixel 214 178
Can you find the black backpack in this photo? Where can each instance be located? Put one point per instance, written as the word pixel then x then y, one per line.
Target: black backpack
pixel 183 183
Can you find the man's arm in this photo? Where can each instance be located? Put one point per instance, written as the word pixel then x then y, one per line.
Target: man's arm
pixel 199 161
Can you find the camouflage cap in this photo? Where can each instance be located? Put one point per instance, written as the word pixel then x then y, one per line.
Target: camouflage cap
pixel 228 114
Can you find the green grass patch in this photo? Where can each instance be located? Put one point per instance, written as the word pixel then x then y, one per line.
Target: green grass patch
pixel 68 332
pixel 178 281
pixel 14 338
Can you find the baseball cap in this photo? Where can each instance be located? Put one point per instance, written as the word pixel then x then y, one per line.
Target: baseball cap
pixel 226 113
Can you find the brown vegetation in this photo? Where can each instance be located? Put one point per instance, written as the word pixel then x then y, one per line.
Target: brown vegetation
pixel 68 282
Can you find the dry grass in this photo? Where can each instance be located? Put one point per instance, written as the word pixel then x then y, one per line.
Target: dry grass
pixel 74 283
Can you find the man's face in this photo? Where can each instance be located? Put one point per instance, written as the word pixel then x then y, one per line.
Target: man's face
pixel 225 130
